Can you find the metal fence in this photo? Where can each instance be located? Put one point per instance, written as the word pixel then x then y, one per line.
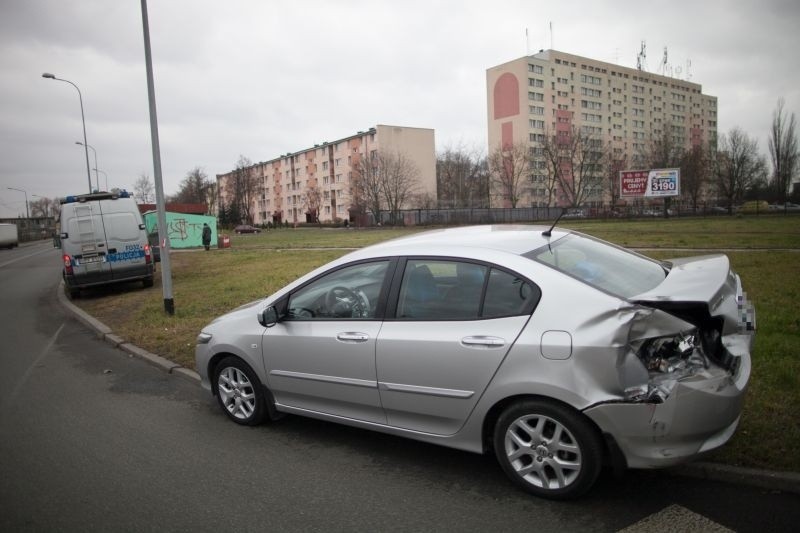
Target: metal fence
pixel 464 216
pixel 32 229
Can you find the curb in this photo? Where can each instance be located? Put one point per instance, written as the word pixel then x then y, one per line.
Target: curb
pixel 753 477
pixel 105 333
pixel 739 475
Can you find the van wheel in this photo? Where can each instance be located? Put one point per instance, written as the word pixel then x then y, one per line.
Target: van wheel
pixel 147 282
pixel 72 292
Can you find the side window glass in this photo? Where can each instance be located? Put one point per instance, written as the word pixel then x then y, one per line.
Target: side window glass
pixel 348 293
pixel 441 290
pixel 508 295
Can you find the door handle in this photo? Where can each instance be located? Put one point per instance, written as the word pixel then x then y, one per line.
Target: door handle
pixel 351 336
pixel 483 342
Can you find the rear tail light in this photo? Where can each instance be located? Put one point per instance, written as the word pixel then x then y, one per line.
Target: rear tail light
pixel 67 264
pixel 148 258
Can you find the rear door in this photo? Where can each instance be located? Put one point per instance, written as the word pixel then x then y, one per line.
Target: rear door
pixel 86 242
pixel 125 238
pixel 450 326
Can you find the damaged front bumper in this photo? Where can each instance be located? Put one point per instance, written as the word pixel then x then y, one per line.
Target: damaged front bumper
pixel 700 413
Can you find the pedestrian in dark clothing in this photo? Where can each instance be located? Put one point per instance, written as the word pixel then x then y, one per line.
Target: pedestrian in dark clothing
pixel 206 236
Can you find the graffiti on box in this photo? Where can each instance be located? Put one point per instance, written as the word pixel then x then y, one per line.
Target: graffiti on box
pixel 183 231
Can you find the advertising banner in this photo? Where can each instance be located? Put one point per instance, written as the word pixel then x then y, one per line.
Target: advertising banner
pixel 633 183
pixel 664 182
pixel 649 183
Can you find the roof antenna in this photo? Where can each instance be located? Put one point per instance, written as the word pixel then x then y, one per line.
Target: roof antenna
pixel 549 232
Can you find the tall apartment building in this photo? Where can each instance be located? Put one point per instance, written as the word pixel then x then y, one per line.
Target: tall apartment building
pixel 329 168
pixel 549 93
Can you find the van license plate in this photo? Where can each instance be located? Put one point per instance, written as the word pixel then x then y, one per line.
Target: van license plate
pixel 95 259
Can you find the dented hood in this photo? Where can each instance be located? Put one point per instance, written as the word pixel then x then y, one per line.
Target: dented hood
pixel 691 280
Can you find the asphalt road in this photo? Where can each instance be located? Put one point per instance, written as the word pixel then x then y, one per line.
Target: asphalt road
pixel 92 439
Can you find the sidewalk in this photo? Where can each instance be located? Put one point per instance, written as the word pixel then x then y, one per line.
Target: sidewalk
pixel 753 477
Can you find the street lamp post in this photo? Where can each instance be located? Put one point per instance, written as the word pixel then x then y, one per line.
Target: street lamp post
pixel 83 120
pixel 104 174
pixel 97 178
pixel 27 213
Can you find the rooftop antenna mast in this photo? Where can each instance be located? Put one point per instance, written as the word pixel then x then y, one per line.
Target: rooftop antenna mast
pixel 527 43
pixel 551 36
pixel 664 68
pixel 641 57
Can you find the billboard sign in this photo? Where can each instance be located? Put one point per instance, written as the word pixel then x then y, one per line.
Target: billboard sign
pixel 655 183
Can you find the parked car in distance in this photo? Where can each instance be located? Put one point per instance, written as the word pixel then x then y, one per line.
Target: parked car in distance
pixel 753 207
pixel 556 351
pixel 575 213
pixel 788 206
pixel 245 228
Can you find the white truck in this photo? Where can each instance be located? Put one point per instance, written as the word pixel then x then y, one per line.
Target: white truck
pixel 9 237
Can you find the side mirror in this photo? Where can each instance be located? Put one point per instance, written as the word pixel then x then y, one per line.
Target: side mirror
pixel 268 317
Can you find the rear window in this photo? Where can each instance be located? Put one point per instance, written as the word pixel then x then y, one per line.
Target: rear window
pixel 122 226
pixel 601 265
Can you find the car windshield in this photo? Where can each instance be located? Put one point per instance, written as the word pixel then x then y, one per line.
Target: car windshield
pixel 601 265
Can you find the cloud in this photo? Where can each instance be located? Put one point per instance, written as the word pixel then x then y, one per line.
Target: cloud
pixel 264 78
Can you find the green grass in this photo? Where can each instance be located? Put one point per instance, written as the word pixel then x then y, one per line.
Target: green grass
pixel 206 285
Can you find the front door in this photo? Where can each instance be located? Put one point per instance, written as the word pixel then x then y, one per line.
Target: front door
pixel 321 355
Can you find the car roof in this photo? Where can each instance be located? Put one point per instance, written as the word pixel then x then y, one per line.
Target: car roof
pixel 514 239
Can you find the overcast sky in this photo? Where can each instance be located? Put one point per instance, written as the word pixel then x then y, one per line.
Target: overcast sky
pixel 261 78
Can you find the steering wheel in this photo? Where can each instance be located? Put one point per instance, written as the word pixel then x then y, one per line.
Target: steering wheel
pixel 342 302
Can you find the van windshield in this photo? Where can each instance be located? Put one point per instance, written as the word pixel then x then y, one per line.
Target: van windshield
pixel 614 270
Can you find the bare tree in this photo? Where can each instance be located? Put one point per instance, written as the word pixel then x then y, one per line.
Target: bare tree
pixel 574 164
pixel 41 208
pixel 384 181
pixel 783 150
pixel 312 200
pixel 143 189
pixel 242 187
pixel 509 167
pixel 401 180
pixel 694 167
pixel 55 209
pixel 461 178
pixel 664 151
pixel 616 162
pixel 365 186
pixel 737 166
pixel 194 189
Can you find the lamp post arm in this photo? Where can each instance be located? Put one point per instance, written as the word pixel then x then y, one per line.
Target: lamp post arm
pixel 83 121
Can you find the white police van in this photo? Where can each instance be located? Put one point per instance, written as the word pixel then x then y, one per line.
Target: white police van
pixel 103 240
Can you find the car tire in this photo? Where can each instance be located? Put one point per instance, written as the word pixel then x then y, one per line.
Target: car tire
pixel 239 392
pixel 548 449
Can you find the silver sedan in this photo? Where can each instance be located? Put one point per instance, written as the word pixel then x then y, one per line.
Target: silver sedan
pixel 556 351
